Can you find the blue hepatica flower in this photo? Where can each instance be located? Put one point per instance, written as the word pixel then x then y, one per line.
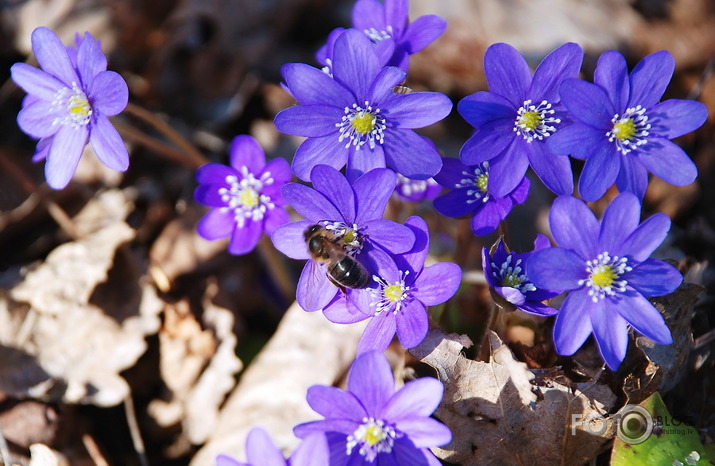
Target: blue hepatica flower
pixel 397 298
pixel 607 269
pixel 519 114
pixel 506 274
pixel 245 197
pixel 261 451
pixel 472 193
pixel 352 215
pixel 356 118
pixel 388 27
pixel 371 423
pixel 69 102
pixel 623 131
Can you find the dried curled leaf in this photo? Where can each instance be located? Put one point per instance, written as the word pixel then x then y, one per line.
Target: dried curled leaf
pixel 500 414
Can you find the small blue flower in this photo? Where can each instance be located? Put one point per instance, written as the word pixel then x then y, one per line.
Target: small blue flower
pixel 68 104
pixel 623 131
pixel 261 451
pixel 371 423
pixel 519 114
pixel 506 274
pixel 472 193
pixel 356 118
pixel 245 198
pixel 607 269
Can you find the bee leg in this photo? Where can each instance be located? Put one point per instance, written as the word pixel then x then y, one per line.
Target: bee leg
pixel 334 282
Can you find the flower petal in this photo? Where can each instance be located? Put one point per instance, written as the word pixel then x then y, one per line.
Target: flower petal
pixel 404 452
pixel 90 59
pixel 340 311
pixel 355 64
pixel 412 324
pixel 244 239
pixel 108 93
pixel 563 62
pixel 371 381
pixel 668 161
pixel 378 333
pixel 536 308
pixel 36 119
pixel 245 151
pixel 372 191
pixel 52 56
pixel 425 431
pixel 488 142
pixel 381 91
pixel 63 158
pixel 437 283
pixel 633 176
pixel 611 332
pixel 414 259
pixel 312 451
pixel 553 170
pixel 653 277
pixel 389 235
pixel 290 240
pixel 367 14
pixel 673 118
pixel 311 86
pixel 508 169
pixel 619 220
pixel 36 82
pixel 556 269
pixel 587 102
pixel 108 144
pixel 486 220
pixel 650 78
pixel 483 107
pixel 507 73
pixel 279 170
pixel 363 160
pixel 260 449
pixel 334 403
pixel 574 226
pixel 644 317
pixel 329 426
pixel 612 75
pixel 578 140
pixel 225 460
pixel 641 243
pixel 316 151
pixel 331 184
pixel 419 397
pixel 417 109
pixel 422 32
pixel 396 15
pixel 314 290
pixel 215 224
pixel 456 203
pixel 312 121
pixel 409 154
pixel 274 218
pixel 214 173
pixel 573 323
pixel 310 203
pixel 599 173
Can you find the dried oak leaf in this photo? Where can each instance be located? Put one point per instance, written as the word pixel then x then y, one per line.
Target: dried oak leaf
pixel 78 336
pixel 499 414
pixel 198 363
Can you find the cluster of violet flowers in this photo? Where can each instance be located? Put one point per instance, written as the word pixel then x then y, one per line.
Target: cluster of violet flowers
pixel 358 118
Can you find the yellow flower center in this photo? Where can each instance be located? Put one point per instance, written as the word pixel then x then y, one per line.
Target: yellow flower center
pixel 482 182
pixel 363 123
pixel 625 129
pixel 511 280
pixel 350 236
pixel 374 435
pixel 78 105
pixel 629 131
pixel 605 276
pixel 394 292
pixel 248 197
pixel 530 120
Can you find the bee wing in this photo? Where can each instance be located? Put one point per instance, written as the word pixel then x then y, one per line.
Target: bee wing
pixel 314 289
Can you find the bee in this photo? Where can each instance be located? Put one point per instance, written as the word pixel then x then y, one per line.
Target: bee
pixel 343 270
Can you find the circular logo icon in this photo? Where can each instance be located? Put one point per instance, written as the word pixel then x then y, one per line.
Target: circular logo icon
pixel 635 424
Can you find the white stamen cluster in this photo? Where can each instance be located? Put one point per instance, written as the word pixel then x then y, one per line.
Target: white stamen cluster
pixel 477 182
pixel 378 36
pixel 512 275
pixel 349 235
pixel 629 131
pixel 535 121
pixel 390 296
pixel 243 197
pixel 75 103
pixel 409 187
pixel 362 125
pixel 603 276
pixel 373 436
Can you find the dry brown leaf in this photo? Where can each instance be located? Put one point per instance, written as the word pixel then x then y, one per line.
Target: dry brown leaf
pixel 197 365
pixel 500 414
pixel 84 312
pixel 306 350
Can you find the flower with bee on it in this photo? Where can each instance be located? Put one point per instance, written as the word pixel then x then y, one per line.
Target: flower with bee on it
pixel 352 214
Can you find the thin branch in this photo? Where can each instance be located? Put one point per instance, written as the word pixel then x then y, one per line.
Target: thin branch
pixel 134 430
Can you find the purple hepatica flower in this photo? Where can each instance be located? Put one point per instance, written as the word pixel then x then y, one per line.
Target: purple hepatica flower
pixel 356 118
pixel 519 114
pixel 622 131
pixel 506 274
pixel 397 299
pixel 69 102
pixel 261 451
pixel 352 214
pixel 416 190
pixel 246 197
pixel 608 272
pixel 371 423
pixel 473 194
